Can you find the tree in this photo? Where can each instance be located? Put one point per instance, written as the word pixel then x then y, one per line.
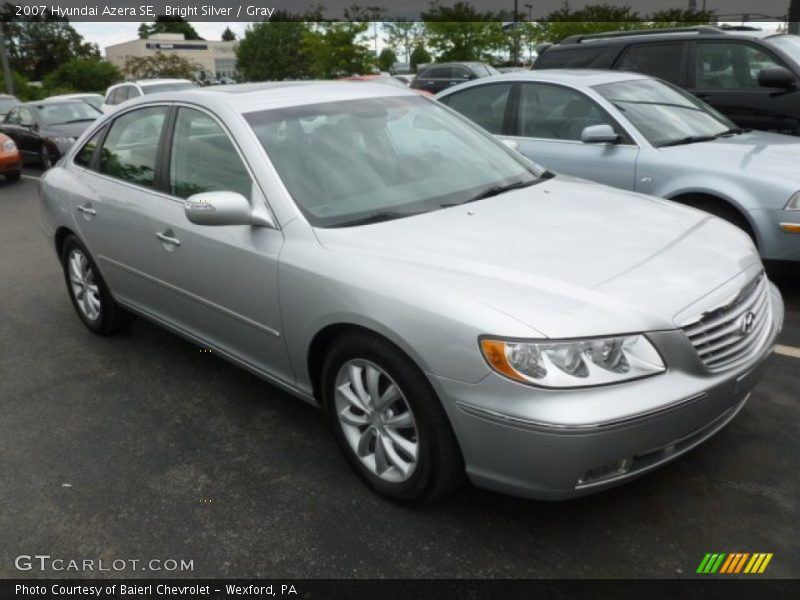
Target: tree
pixel 563 23
pixel 460 32
pixel 39 45
pixel 84 75
pixel 160 65
pixel 164 24
pixel 679 18
pixel 420 56
pixel 404 35
pixel 228 35
pixel 273 50
pixel 386 59
pixel 333 50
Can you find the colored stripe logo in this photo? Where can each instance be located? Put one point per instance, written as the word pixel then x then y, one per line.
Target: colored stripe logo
pixel 734 562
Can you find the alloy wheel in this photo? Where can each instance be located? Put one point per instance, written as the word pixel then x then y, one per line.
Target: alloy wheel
pixel 83 285
pixel 377 420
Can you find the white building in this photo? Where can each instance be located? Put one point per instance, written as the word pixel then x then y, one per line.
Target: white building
pixel 216 58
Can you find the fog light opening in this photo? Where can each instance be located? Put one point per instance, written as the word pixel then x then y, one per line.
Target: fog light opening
pixel 605 472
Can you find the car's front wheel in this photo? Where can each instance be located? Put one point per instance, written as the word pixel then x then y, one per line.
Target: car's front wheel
pixel 89 293
pixel 46 158
pixel 388 420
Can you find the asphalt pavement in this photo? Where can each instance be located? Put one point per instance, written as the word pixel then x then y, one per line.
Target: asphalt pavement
pixel 141 447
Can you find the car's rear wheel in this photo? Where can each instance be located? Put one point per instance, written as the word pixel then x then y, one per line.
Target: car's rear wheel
pixel 388 420
pixel 89 293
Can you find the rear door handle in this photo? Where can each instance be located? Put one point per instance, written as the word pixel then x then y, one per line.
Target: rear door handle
pixel 168 239
pixel 87 210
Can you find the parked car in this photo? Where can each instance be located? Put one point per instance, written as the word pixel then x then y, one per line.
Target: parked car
pixel 119 93
pixel 45 130
pixel 10 160
pixel 404 79
pixel 452 306
pixel 383 79
pixel 436 77
pixel 638 133
pixel 96 100
pixel 750 76
pixel 6 103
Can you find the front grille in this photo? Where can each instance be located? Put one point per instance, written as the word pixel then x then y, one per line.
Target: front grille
pixel 731 334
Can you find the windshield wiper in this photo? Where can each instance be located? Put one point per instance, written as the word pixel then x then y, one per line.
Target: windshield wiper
pixel 378 217
pixel 77 121
pixel 496 190
pixel 689 139
pixel 734 131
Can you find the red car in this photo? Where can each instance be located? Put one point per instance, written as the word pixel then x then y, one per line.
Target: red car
pixel 10 160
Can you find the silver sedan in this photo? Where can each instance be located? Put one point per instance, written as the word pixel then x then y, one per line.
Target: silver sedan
pixel 455 309
pixel 642 134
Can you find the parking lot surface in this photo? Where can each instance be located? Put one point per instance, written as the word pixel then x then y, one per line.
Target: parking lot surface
pixel 141 446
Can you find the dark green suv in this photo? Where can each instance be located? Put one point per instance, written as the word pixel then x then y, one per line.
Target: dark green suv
pixel 748 75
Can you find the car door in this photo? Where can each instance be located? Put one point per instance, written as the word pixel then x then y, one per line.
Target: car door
pixel 547 123
pixel 726 77
pixel 222 280
pixel 29 140
pixel 117 204
pixel 436 79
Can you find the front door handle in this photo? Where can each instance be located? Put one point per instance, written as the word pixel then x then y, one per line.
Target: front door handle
pixel 87 210
pixel 168 239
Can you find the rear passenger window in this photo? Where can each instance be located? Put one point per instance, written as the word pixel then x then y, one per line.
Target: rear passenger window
pixel 203 158
pixel 664 61
pixel 131 147
pixel 573 58
pixel 84 156
pixel 484 104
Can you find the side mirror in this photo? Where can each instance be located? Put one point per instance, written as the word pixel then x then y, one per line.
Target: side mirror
pixel 599 134
pixel 224 208
pixel 776 77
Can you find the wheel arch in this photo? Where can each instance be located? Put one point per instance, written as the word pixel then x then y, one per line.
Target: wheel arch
pixel 696 199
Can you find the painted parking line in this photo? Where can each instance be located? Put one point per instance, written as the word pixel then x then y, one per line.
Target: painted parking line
pixel 787 351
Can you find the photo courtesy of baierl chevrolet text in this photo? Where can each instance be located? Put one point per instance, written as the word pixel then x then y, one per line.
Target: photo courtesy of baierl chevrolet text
pixel 431 299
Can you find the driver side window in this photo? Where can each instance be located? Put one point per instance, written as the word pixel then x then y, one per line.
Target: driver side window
pixel 730 65
pixel 557 113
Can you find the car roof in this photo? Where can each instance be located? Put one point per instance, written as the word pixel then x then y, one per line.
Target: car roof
pixel 146 82
pixel 679 33
pixel 576 77
pixel 251 97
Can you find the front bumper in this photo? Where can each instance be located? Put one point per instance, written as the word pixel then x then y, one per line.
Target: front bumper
pixel 9 165
pixel 561 444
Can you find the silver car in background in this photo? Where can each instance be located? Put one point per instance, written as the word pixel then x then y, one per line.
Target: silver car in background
pixel 454 308
pixel 638 133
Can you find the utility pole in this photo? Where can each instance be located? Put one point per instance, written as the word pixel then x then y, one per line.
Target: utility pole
pixel 516 34
pixel 794 17
pixel 530 44
pixel 4 59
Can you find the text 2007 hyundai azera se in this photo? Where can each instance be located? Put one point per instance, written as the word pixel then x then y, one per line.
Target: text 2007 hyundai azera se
pixel 454 308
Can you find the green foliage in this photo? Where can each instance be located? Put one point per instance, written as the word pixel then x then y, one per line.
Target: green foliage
pixel 228 35
pixel 160 65
pixel 461 33
pixel 38 46
pixel 164 24
pixel 24 90
pixel 386 59
pixel 420 56
pixel 333 51
pixel 404 36
pixel 83 75
pixel 679 18
pixel 273 50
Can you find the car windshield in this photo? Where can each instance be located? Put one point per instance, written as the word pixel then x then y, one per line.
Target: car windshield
pixel 358 161
pixel 663 113
pixel 6 104
pixel 177 86
pixel 61 113
pixel 790 44
pixel 94 101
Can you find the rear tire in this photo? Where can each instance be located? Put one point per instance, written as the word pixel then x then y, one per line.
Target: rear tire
pixel 402 447
pixel 89 293
pixel 46 158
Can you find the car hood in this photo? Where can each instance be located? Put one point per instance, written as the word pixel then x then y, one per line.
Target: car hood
pixel 73 130
pixel 757 153
pixel 565 257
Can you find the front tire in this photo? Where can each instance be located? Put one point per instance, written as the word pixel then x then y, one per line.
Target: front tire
pixel 46 158
pixel 89 293
pixel 388 421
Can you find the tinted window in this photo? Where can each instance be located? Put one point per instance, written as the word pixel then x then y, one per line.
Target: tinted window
pixel 131 147
pixel 730 66
pixel 657 60
pixel 438 73
pixel 204 159
pixel 484 104
pixel 555 112
pixel 573 58
pixel 84 156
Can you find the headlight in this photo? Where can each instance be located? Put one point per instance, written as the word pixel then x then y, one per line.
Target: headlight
pixel 574 363
pixel 9 146
pixel 794 202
